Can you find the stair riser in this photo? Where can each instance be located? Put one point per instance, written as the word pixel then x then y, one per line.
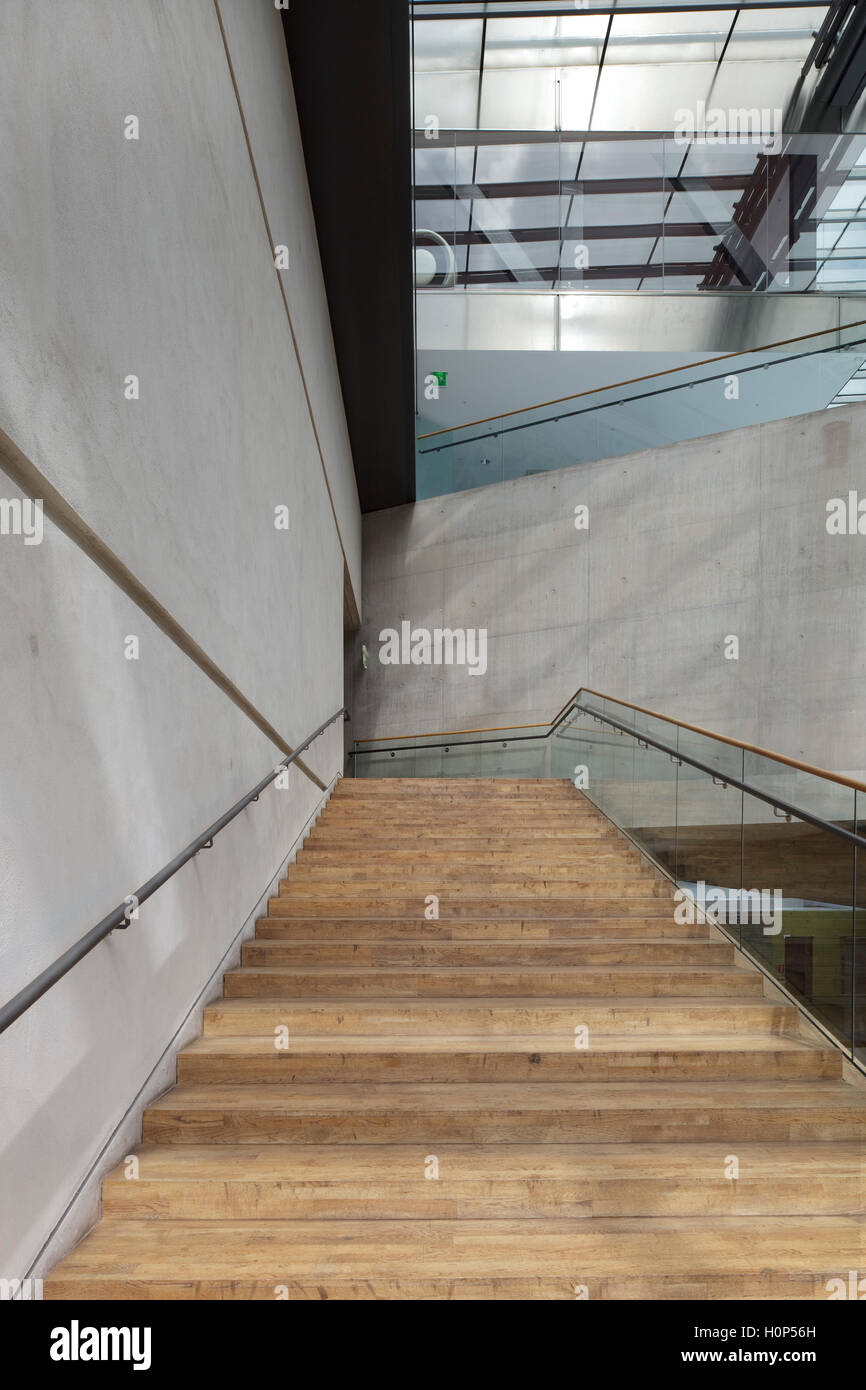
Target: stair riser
pixel 282 1068
pixel 433 1126
pixel 397 929
pixel 658 954
pixel 359 1018
pixel 538 858
pixel 642 890
pixel 466 800
pixel 625 890
pixel 525 908
pixel 493 1199
pixel 384 788
pixel 475 812
pixel 473 983
pixel 444 848
pixel 486 876
pixel 777 1285
pixel 501 838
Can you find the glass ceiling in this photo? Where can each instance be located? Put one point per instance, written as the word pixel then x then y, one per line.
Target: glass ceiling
pixel 553 149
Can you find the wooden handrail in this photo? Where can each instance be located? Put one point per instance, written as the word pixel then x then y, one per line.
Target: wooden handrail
pixel 633 380
pixel 734 742
pixel 653 714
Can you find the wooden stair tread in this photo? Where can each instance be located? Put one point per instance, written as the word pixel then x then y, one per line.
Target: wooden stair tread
pixel 532 1042
pixel 499 1097
pixel 383 1162
pixel 568 1249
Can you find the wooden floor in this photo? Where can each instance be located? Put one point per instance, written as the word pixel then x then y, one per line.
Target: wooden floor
pixel 389 1106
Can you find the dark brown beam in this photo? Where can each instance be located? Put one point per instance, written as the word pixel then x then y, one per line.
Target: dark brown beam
pixel 623 231
pixel 597 272
pixel 552 188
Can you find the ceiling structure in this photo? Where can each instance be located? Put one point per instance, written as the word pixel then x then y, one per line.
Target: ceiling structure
pixel 564 150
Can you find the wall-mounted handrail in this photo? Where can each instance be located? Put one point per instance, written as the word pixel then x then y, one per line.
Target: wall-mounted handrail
pixel 119 918
pixel 649 376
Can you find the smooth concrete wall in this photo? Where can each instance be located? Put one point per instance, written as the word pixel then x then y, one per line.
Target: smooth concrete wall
pixel 152 258
pixel 686 546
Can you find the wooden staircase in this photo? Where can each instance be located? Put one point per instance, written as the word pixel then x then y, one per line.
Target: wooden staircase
pixel 386 1105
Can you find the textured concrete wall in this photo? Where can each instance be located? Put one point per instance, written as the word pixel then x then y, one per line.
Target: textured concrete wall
pixel 151 257
pixel 686 545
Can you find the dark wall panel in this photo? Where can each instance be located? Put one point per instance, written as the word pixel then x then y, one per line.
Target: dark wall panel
pixel 350 66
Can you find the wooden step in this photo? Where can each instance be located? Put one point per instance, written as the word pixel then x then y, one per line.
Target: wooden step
pixel 533 1058
pixel 688 1258
pixel 647 890
pixel 456 818
pixel 428 787
pixel 505 1113
pixel 498 982
pixel 320 854
pixel 497 1017
pixel 386 792
pixel 417 928
pixel 297 1182
pixel 459 907
pixel 562 797
pixel 361 954
pixel 360 839
pixel 487 877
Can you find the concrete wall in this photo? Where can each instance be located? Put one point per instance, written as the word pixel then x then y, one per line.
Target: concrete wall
pixel 151 257
pixel 686 545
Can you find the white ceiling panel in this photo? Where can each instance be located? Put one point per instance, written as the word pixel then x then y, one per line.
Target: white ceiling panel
pixel 448 45
pixel 519 99
pixel 452 97
pixel 648 97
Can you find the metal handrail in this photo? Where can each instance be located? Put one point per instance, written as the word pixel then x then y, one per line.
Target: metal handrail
pixel 120 918
pixel 787 807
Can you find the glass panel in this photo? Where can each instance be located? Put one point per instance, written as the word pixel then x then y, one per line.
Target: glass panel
pixel 806 791
pixel 468 754
pixel 798 917
pixel 854 970
pixel 709 825
pixel 598 760
pixel 655 797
